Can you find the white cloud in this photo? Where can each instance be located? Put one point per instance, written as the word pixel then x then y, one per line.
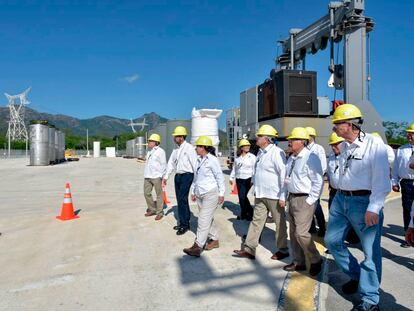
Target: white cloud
pixel 132 78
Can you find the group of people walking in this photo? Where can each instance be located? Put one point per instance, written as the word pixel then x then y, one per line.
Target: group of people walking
pixel 358 171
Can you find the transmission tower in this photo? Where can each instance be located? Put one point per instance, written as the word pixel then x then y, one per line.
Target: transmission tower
pixel 142 124
pixel 17 128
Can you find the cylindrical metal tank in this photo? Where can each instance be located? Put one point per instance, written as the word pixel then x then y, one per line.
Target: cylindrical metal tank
pixel 141 147
pixel 39 144
pixel 52 153
pixel 62 146
pixel 130 147
pixel 57 155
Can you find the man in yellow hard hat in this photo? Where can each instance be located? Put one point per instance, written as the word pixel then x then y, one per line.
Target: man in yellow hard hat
pixel 362 188
pixel 182 161
pixel 155 167
pixel 320 152
pixel 304 182
pixel 403 177
pixel 409 234
pixel 269 195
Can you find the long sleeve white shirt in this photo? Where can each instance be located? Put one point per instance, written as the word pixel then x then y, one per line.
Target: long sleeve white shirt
pixel 320 152
pixel 400 168
pixel 156 163
pixel 270 173
pixel 208 175
pixel 305 175
pixel 363 165
pixel 243 167
pixel 390 154
pixel 333 170
pixel 182 160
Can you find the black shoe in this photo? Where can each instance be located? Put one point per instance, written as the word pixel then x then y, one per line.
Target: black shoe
pixel 176 227
pixel 350 287
pixel 181 231
pixel 365 306
pixel 404 245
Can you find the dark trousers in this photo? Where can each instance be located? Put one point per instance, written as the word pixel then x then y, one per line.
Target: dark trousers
pixel 243 186
pixel 182 184
pixel 320 218
pixel 351 236
pixel 407 196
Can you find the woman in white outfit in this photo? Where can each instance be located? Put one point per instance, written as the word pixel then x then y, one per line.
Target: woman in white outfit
pixel 242 172
pixel 208 190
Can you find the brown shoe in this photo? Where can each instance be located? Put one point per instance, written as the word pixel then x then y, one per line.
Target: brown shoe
pixel 159 217
pixel 315 268
pixel 194 250
pixel 294 267
pixel 279 255
pixel 149 214
pixel 243 254
pixel 211 244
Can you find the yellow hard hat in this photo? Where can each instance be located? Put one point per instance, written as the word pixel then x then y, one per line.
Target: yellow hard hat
pixel 267 130
pixel 410 129
pixel 204 141
pixel 180 131
pixel 375 134
pixel 244 142
pixel 299 133
pixel 155 137
pixel 334 139
pixel 346 112
pixel 311 131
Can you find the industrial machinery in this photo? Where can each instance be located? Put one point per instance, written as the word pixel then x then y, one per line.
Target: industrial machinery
pixel 288 98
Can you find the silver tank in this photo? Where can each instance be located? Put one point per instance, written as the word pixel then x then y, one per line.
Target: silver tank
pixel 130 148
pixel 57 155
pixel 52 153
pixel 39 144
pixel 62 146
pixel 141 147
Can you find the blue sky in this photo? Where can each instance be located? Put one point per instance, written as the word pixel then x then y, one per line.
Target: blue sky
pixel 125 58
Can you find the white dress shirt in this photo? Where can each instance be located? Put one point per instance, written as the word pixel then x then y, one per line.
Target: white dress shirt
pixel 400 169
pixel 304 175
pixel 390 154
pixel 156 163
pixel 320 152
pixel 270 173
pixel 208 175
pixel 333 170
pixel 243 167
pixel 182 160
pixel 363 165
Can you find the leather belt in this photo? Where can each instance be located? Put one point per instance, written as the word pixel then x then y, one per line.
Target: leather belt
pixel 355 193
pixel 298 194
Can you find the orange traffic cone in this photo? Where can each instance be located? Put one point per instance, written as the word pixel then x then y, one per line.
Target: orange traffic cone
pixel 235 190
pixel 67 212
pixel 165 198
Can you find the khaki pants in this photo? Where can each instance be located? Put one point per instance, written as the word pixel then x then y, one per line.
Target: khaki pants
pixel 301 241
pixel 261 209
pixel 206 227
pixel 157 206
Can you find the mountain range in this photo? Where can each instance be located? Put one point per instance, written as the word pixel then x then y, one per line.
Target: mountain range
pixel 99 126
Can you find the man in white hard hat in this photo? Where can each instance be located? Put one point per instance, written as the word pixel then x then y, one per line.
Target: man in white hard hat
pixel 320 152
pixel 362 188
pixel 269 195
pixel 304 182
pixel 403 177
pixel 182 161
pixel 155 167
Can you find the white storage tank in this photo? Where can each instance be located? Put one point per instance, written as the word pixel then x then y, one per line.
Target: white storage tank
pixel 205 123
pixel 96 149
